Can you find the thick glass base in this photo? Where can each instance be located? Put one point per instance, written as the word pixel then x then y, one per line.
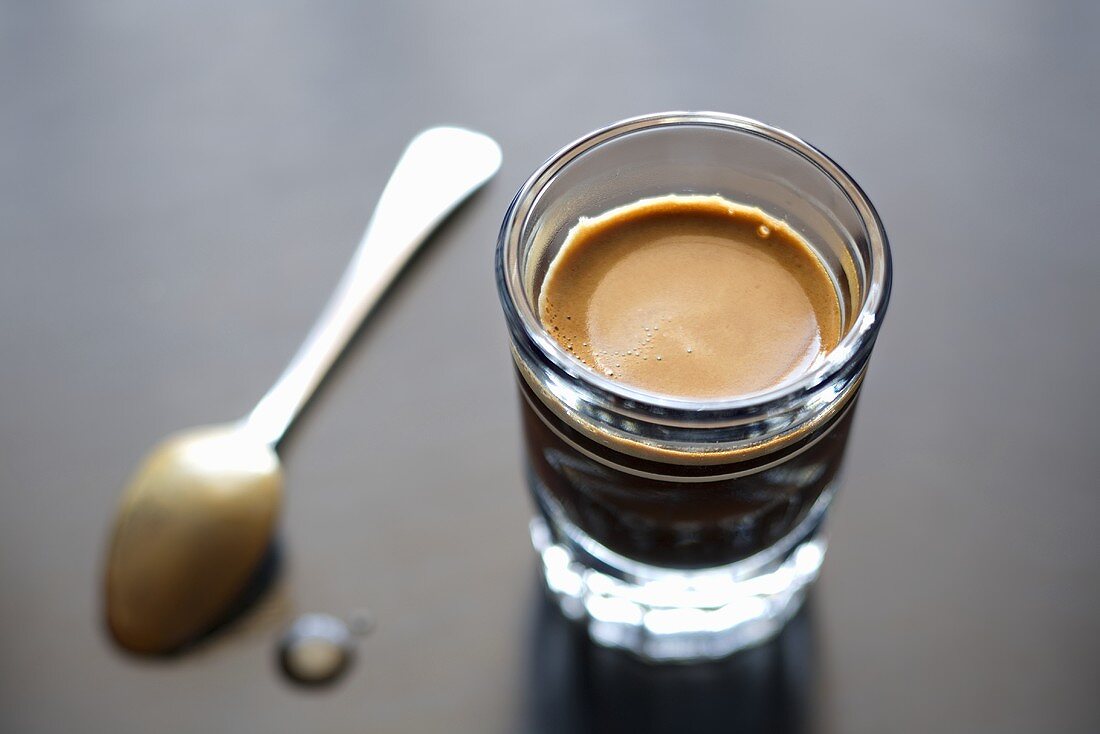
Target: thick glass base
pixel 667 615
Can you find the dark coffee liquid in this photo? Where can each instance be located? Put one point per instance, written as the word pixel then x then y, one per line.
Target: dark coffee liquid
pixel 675 522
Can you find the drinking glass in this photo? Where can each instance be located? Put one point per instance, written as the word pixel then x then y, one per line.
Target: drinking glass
pixel 686 529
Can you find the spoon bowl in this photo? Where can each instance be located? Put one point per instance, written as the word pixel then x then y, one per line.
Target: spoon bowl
pixel 193 524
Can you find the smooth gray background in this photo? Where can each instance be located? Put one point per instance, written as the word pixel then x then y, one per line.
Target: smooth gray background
pixel 182 183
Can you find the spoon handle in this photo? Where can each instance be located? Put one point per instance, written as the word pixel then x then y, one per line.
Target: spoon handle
pixel 441 167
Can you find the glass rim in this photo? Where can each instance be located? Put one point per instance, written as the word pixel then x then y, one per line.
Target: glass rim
pixel 855 343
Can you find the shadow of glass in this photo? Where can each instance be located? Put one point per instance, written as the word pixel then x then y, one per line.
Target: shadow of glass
pixel 577 686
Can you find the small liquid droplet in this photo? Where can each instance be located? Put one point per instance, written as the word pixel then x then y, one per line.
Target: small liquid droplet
pixel 689 350
pixel 316 649
pixel 658 358
pixel 361 622
pixel 609 373
pixel 764 231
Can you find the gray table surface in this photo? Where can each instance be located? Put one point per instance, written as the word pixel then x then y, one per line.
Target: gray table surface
pixel 182 183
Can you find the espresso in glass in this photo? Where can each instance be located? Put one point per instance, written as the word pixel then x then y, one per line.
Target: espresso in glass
pixel 692 299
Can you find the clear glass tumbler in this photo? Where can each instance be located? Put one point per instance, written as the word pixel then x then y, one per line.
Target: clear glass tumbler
pixel 686 529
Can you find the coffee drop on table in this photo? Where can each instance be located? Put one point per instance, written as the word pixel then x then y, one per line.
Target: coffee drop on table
pixel 316 649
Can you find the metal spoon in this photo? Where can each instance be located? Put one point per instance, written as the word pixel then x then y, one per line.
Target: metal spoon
pixel 199 514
